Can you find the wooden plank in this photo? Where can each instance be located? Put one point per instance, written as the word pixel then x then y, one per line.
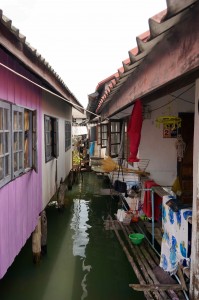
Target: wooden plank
pixel 181 277
pixel 186 271
pixel 149 249
pixel 165 278
pixel 147 294
pixel 108 225
pixel 154 261
pixel 143 264
pixel 155 287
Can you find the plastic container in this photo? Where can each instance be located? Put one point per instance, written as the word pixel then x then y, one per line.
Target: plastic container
pixel 127 219
pixel 135 216
pixel 136 238
pixel 135 219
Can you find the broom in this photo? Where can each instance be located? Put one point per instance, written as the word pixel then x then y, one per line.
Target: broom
pixel 109 165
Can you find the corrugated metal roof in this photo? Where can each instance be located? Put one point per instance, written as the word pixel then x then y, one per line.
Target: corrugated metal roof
pixel 158 27
pixel 41 60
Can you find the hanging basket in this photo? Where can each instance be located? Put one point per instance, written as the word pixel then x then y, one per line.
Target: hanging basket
pixel 169 120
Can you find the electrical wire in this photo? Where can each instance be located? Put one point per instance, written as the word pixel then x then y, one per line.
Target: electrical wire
pixel 175 97
pixel 45 89
pixel 78 106
pixel 183 99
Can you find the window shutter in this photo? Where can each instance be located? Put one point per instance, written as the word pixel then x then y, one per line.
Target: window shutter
pixel 17 140
pixel 46 133
pixel 99 135
pixel 93 134
pixel 34 142
pixel 56 138
pixel 67 135
pixel 70 137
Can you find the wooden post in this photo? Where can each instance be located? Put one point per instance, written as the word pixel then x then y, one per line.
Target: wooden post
pixel 43 232
pixel 61 194
pixel 36 242
pixel 70 180
pixel 194 270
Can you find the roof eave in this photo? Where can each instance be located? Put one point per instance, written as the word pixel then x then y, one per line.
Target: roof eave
pixel 15 43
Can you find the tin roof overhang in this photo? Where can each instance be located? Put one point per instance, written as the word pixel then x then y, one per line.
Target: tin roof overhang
pixel 15 43
pixel 157 51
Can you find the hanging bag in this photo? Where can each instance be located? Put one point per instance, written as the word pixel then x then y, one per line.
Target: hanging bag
pixel 120 186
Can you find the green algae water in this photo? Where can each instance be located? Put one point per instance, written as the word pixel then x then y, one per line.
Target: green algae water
pixel 83 261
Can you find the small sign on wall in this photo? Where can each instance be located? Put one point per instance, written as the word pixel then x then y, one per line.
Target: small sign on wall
pixel 170 130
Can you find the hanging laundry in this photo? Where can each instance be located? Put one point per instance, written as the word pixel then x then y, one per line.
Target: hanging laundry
pixel 176 239
pixel 92 148
pixel 147 207
pixel 134 130
pixel 180 147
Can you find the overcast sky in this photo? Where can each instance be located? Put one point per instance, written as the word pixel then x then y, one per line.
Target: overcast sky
pixel 85 41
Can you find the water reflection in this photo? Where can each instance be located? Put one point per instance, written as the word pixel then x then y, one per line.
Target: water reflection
pixel 81 237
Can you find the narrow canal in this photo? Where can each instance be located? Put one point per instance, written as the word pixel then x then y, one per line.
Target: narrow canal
pixel 84 261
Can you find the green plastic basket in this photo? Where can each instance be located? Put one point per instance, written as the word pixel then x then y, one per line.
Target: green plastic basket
pixel 136 238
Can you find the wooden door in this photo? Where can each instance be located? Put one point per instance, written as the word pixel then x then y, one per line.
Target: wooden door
pixel 185 167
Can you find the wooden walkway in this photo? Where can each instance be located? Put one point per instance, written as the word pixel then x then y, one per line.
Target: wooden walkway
pixel 153 281
pixel 157 230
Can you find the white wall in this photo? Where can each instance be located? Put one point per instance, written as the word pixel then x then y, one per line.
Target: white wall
pixel 59 109
pixel 161 151
pixel 79 130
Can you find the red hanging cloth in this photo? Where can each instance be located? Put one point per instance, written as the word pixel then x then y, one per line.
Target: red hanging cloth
pixel 134 130
pixel 147 207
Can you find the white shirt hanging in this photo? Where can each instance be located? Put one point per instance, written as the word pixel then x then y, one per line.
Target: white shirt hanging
pixel 180 147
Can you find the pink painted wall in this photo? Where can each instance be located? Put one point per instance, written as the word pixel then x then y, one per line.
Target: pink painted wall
pixel 20 200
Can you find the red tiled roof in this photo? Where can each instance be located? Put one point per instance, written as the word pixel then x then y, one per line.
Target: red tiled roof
pixel 133 54
pixel 101 83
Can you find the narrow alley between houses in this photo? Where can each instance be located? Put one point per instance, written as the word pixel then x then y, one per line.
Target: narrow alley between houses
pixel 83 260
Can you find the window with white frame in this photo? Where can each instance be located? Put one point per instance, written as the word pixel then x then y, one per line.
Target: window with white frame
pixel 18 139
pixel 5 143
pixel 27 138
pixel 18 151
pixel 51 138
pixel 30 139
pixel 67 135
